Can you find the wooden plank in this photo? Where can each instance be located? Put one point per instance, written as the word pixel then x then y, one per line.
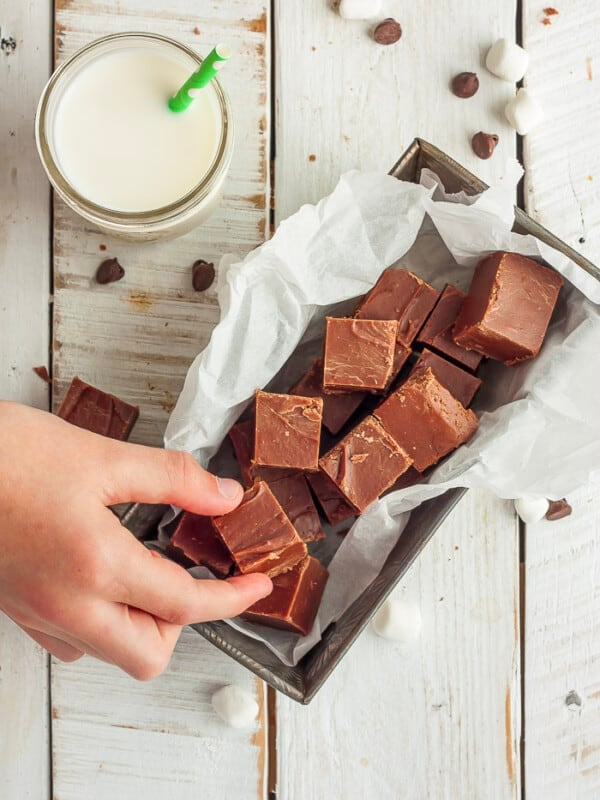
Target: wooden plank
pixel 562 654
pixel 441 719
pixel 24 333
pixel 114 737
pixel 137 339
pixel 344 102
pixel 562 183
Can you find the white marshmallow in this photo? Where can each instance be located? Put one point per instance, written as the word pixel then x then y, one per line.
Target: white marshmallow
pixel 531 509
pixel 523 112
pixel 507 60
pixel 398 620
pixel 236 706
pixel 359 9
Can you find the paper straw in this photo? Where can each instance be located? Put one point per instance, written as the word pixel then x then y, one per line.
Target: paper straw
pixel 198 80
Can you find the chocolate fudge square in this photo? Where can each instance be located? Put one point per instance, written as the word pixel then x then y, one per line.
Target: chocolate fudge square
pixel 400 295
pixel 293 495
pixel 359 353
pixel 365 463
pixel 196 537
pixel 508 308
pixel 242 439
pixel 287 430
pixel 295 599
pixel 258 534
pixel 337 408
pixel 458 381
pixel 88 407
pixel 437 331
pixel 425 419
pixel 334 505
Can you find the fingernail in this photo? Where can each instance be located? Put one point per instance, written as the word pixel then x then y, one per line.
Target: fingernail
pixel 228 487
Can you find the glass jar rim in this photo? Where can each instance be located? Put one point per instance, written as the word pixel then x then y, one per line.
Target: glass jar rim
pixel 102 214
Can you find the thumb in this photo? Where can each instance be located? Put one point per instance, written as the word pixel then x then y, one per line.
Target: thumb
pixel 151 475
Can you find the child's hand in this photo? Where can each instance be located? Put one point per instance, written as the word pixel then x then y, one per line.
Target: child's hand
pixel 70 575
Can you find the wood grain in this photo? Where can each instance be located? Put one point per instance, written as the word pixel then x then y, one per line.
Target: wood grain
pixel 116 738
pixel 24 327
pixel 441 719
pixel 562 184
pixel 344 102
pixel 562 608
pixel 438 718
pixel 137 339
pixel 562 739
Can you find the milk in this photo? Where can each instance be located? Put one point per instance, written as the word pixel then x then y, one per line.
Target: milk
pixel 116 141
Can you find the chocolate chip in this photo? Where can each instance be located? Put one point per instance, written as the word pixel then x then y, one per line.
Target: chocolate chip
pixel 387 32
pixel 203 274
pixel 465 84
pixel 484 144
pixel 109 271
pixel 558 509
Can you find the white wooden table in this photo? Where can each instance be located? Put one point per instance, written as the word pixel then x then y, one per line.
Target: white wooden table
pixel 476 709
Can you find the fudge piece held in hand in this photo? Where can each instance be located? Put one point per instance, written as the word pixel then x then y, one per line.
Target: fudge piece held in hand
pixel 458 381
pixel 88 407
pixel 507 310
pixel 287 430
pixel 295 599
pixel 259 535
pixel 337 408
pixel 196 537
pixel 437 331
pixel 398 294
pixel 365 463
pixel 359 353
pixel 425 419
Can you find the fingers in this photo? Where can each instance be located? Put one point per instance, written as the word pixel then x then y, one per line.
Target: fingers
pixel 151 475
pixel 166 590
pixel 131 639
pixel 56 647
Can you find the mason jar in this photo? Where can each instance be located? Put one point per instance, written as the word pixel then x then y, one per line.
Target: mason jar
pixel 117 155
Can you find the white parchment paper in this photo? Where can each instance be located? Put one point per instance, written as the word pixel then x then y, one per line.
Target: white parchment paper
pixel 539 428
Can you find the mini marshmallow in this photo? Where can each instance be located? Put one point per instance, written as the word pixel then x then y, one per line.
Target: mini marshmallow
pixel 531 509
pixel 398 620
pixel 236 706
pixel 359 9
pixel 507 60
pixel 523 112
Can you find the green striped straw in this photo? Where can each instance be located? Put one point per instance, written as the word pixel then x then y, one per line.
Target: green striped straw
pixel 198 80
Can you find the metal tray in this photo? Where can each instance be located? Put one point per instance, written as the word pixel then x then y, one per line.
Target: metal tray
pixel 302 682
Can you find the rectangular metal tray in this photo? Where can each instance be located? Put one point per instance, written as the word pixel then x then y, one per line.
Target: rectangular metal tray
pixel 302 682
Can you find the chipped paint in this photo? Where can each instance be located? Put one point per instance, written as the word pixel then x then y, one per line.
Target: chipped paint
pixel 256 25
pixel 508 730
pixel 140 301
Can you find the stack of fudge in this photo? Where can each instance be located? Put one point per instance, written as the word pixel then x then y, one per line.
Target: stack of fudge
pixel 388 399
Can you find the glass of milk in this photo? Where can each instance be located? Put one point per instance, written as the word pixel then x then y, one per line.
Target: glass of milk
pixel 115 152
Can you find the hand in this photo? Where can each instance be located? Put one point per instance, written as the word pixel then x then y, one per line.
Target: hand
pixel 70 575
